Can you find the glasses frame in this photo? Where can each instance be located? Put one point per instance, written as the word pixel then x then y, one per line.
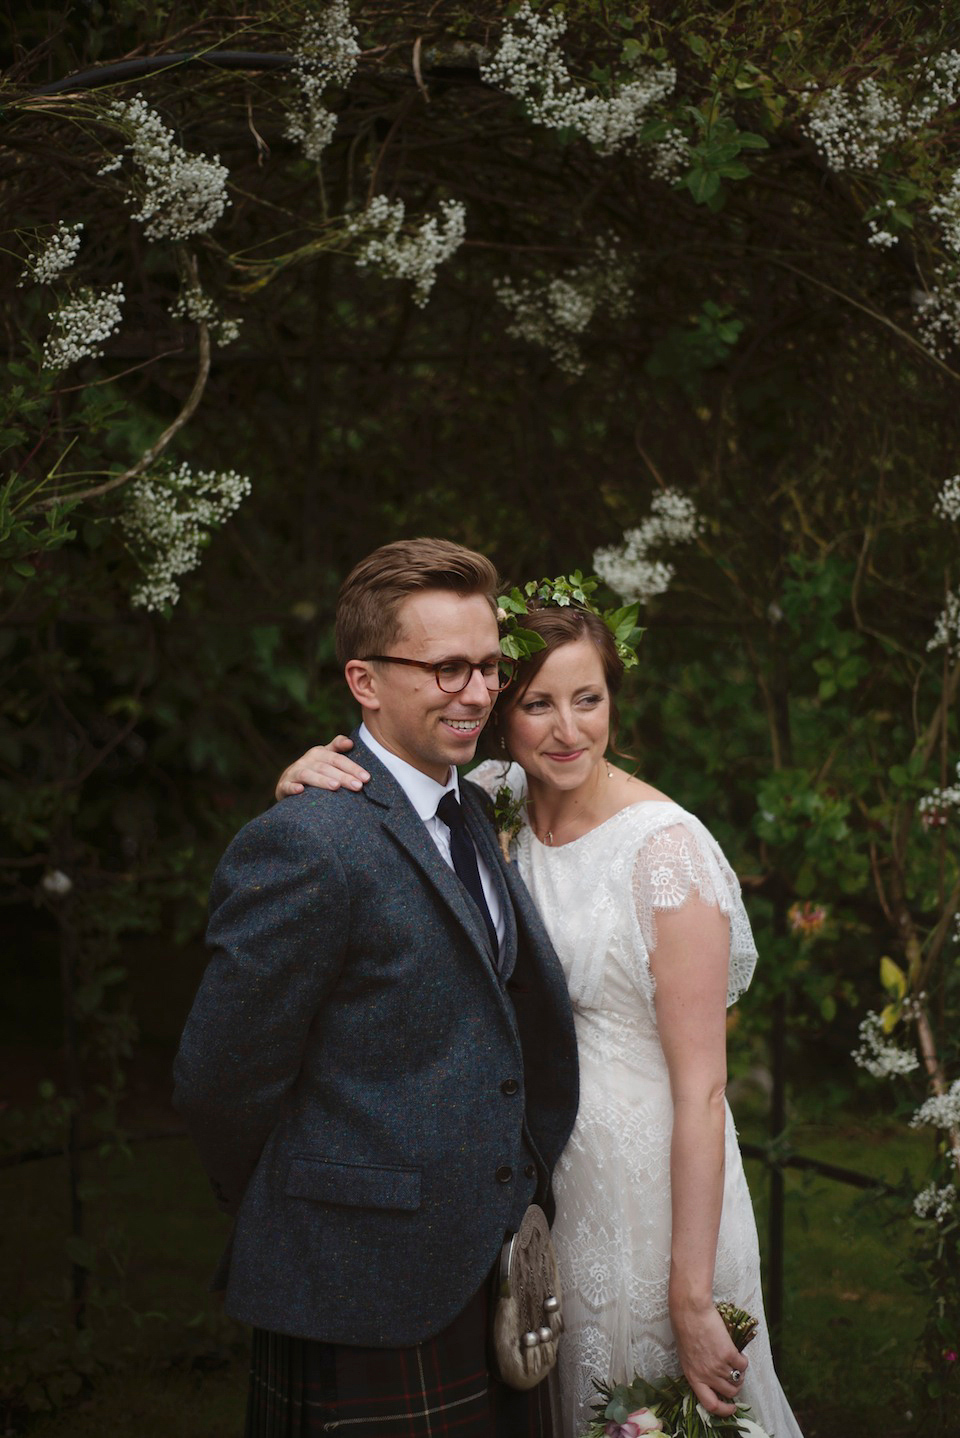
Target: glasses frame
pixel 435 667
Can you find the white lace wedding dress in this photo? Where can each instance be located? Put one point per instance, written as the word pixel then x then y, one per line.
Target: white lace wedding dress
pixel 599 896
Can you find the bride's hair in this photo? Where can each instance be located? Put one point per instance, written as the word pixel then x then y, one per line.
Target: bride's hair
pixel 558 626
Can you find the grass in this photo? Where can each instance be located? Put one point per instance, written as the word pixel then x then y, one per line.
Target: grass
pixel 849 1322
pixel 172 1364
pixel 154 1404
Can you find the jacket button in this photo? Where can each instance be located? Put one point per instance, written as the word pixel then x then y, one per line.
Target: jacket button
pixel 530 1171
pixel 504 1173
pixel 509 1086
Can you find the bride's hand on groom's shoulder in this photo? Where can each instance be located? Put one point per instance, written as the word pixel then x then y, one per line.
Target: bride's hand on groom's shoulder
pixel 325 766
pixel 709 1357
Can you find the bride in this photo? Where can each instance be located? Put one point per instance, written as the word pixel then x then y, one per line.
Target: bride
pixel 654 1222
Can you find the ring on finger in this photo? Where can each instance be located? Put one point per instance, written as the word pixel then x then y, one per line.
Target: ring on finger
pixel 736 1376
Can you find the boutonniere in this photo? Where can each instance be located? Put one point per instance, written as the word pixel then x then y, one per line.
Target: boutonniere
pixel 508 817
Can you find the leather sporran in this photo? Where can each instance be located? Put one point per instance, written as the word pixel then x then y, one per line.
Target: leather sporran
pixel 527 1319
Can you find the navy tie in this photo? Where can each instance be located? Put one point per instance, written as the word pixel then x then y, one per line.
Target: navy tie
pixel 464 857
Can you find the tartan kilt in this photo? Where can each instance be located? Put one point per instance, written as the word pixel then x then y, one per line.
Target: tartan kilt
pixel 441 1388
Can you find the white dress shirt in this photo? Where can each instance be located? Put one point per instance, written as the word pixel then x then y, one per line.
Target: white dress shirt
pixel 425 794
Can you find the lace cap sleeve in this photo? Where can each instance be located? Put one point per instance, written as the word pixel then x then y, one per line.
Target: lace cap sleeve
pixel 493 774
pixel 679 862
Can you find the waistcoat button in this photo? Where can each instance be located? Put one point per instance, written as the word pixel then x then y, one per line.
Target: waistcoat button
pixel 504 1173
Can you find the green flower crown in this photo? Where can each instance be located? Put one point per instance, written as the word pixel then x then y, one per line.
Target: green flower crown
pixel 519 643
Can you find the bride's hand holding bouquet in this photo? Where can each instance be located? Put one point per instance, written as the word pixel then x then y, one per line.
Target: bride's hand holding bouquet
pixel 629 1410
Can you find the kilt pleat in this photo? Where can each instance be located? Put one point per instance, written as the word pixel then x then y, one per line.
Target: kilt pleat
pixel 441 1388
pixel 275 1399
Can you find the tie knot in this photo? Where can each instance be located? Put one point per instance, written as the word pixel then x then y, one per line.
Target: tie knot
pixel 450 812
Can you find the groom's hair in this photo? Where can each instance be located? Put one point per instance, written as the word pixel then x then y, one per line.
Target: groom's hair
pixel 370 597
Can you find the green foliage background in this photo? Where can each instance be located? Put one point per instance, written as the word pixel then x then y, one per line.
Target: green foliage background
pixel 768 365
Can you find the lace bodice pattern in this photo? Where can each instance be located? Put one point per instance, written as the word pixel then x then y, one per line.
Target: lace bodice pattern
pixel 599 897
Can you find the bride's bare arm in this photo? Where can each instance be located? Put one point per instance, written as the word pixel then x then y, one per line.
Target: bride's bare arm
pixel 690 965
pixel 325 766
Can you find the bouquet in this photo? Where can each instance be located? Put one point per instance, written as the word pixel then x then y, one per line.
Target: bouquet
pixel 629 1410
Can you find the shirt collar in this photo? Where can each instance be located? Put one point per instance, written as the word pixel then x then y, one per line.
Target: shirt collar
pixel 423 792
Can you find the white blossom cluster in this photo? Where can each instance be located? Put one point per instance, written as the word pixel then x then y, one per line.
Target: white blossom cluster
pixel 939 89
pixel 415 256
pixel 326 54
pixel 938 308
pixel 880 237
pixel 56 883
pixel 628 568
pixel 555 313
pixel 937 311
pixel 179 194
pixel 878 1055
pixel 946 632
pixel 194 304
pixel 529 65
pixel 670 156
pixel 57 255
pixel 934 808
pixel 936 1203
pixel 947 503
pixel 947 211
pixel 170 518
pixel 940 1111
pixel 81 326
pixel 853 129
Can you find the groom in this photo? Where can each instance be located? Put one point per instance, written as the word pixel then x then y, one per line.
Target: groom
pixel 379 1068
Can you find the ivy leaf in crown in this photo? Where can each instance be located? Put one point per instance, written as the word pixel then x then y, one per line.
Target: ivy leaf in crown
pixel 519 643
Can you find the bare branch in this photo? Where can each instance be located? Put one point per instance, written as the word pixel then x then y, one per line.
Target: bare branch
pixel 934 1068
pixel 150 455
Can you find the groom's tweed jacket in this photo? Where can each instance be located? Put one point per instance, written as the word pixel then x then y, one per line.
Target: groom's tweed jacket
pixel 365 1091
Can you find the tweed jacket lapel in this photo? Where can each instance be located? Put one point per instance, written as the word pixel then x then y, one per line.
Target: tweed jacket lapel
pixel 405 827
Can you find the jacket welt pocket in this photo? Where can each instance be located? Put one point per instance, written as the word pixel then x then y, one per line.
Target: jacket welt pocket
pixel 358 1185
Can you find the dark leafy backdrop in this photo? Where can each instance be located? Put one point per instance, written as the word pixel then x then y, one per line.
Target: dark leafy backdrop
pixel 766 357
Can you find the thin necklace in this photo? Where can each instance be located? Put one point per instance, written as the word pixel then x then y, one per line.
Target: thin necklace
pixel 548 836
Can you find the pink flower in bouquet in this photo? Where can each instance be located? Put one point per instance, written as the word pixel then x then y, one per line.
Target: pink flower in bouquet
pixel 641 1420
pixel 646 1420
pixel 950 1355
